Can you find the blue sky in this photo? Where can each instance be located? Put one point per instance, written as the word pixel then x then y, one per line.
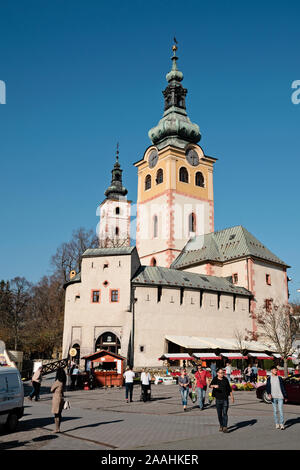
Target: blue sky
pixel 82 76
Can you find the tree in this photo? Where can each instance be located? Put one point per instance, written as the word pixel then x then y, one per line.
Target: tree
pixel 277 329
pixel 68 255
pixel 116 242
pixel 44 320
pixel 14 300
pixel 5 308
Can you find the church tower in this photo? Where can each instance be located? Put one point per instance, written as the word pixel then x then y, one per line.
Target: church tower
pixel 175 181
pixel 115 211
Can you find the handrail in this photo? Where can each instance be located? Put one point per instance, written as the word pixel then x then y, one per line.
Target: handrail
pixel 53 366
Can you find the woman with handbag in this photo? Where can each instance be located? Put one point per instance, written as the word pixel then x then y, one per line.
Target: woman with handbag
pixel 58 397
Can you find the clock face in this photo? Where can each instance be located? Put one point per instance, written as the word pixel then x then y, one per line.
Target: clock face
pixel 153 157
pixel 192 157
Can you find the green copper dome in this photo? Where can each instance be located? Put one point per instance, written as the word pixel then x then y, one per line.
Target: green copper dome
pixel 175 127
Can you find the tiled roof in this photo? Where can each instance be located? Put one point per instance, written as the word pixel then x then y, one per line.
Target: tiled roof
pixel 224 245
pixel 159 276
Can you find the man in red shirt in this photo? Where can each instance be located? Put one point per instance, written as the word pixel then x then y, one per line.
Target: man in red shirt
pixel 201 377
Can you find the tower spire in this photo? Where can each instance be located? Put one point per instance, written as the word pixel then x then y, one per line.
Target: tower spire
pixel 116 190
pixel 175 127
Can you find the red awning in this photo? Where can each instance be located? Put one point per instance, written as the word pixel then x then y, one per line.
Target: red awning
pixel 234 356
pixel 207 356
pixel 260 356
pixel 175 357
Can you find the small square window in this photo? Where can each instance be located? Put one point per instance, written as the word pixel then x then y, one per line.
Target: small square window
pixel 142 348
pixel 95 296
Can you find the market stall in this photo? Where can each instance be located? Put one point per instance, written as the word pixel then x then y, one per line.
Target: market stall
pixel 106 368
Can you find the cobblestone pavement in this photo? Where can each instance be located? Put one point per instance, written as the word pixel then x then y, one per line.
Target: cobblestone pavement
pixel 101 420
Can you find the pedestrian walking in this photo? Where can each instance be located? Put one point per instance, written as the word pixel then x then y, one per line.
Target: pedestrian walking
pixel 247 373
pixel 36 384
pixel 128 376
pixel 221 391
pixel 58 397
pixel 202 381
pixel 277 393
pixel 184 382
pixel 146 385
pixel 254 373
pixel 74 377
pixel 213 369
pixel 228 370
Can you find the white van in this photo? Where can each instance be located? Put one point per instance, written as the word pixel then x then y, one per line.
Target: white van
pixel 11 397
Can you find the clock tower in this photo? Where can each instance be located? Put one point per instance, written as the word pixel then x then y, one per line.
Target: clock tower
pixel 175 181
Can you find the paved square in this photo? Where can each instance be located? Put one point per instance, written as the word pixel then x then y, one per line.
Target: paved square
pixel 100 419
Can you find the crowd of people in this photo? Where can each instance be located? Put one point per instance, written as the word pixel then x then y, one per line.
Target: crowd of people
pixel 219 381
pixel 198 381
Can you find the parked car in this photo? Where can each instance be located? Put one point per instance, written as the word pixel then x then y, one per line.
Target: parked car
pixel 292 387
pixel 11 397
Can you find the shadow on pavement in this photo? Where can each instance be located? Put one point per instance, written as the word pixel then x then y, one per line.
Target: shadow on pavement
pixel 96 424
pixel 12 444
pixel 40 422
pixel 242 424
pixel 159 398
pixel 291 422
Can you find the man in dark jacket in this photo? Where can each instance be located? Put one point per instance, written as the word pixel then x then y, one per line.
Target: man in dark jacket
pixel 276 391
pixel 221 391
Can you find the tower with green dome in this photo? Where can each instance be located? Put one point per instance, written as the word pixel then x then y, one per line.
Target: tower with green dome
pixel 114 227
pixel 175 180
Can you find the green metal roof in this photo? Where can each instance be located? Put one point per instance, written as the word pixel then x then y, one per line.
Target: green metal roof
pixel 159 276
pixel 122 250
pixel 224 245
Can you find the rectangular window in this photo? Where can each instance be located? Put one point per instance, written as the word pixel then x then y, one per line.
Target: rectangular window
pixel 268 279
pixel 95 296
pixel 114 295
pixel 268 305
pixel 235 278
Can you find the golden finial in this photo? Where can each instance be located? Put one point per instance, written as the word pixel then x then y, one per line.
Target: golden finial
pixel 174 47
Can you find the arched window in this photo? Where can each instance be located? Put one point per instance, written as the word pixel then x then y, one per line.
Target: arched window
pixel 183 175
pixel 199 179
pixel 117 231
pixel 192 222
pixel 153 262
pixel 117 210
pixel 108 341
pixel 159 176
pixel 148 182
pixel 155 226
